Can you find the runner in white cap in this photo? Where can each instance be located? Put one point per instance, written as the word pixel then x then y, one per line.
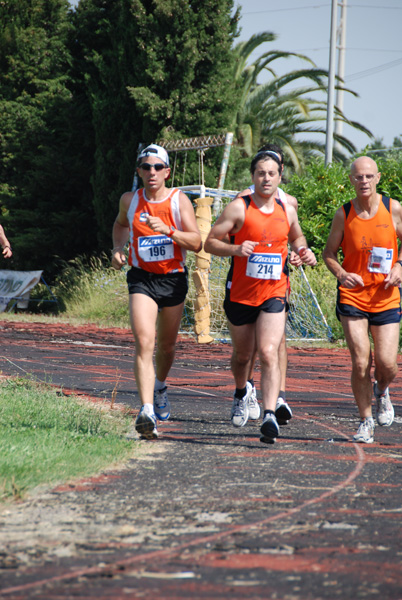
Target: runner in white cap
pixel 159 224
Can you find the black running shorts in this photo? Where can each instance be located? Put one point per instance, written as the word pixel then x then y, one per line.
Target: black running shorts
pixel 244 314
pixel 165 290
pixel 393 315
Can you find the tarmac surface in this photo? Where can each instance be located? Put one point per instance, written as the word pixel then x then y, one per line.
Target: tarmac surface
pixel 207 511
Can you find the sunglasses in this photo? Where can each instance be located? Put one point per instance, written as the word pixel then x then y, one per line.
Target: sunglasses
pixel 157 167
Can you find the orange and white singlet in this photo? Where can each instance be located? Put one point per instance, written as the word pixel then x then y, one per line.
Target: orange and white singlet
pixel 370 249
pixel 150 251
pixel 280 194
pixel 264 274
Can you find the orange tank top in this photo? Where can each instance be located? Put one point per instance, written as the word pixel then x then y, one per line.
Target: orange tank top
pixel 263 275
pixel 370 249
pixel 152 251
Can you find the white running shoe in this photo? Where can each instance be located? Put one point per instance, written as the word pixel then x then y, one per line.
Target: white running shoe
pixel 145 423
pixel 365 433
pixel 254 410
pixel 161 404
pixel 283 412
pixel 384 409
pixel 239 414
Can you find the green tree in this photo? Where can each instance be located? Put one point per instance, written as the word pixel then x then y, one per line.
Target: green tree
pixel 320 191
pixel 154 69
pixel 397 143
pixel 43 184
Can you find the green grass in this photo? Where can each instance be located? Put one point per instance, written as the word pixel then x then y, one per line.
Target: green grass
pixel 94 293
pixel 47 437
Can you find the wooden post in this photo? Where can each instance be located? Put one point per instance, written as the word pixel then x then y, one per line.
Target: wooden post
pixel 202 307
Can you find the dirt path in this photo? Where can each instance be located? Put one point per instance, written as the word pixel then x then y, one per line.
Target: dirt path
pixel 207 511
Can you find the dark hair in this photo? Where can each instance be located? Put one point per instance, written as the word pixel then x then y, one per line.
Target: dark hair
pixel 265 154
pixel 272 148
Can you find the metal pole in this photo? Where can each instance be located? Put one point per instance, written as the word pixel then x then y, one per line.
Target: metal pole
pixel 331 86
pixel 217 206
pixel 341 65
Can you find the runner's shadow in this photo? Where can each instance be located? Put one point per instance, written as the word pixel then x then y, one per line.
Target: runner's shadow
pixel 222 443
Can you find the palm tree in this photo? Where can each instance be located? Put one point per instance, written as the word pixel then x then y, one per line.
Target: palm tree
pixel 273 112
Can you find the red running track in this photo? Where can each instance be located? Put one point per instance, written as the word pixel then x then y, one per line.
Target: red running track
pixel 215 513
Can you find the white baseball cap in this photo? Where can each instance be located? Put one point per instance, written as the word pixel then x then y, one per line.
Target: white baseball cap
pixel 157 151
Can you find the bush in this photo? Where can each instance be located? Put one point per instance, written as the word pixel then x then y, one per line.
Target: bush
pixel 323 189
pixel 320 192
pixel 94 291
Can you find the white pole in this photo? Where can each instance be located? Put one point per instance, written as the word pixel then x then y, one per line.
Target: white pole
pixel 217 206
pixel 331 86
pixel 341 66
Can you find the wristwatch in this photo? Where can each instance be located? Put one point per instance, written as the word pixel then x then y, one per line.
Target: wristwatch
pixel 171 231
pixel 399 262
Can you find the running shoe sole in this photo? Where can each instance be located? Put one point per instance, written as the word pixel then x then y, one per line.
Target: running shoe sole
pixel 145 426
pixel 363 441
pixel 150 436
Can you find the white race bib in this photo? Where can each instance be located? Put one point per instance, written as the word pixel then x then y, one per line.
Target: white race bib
pixel 264 266
pixel 154 248
pixel 380 260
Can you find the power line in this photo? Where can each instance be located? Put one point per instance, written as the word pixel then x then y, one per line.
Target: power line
pixel 272 10
pixel 349 49
pixel 315 6
pixel 371 6
pixel 367 72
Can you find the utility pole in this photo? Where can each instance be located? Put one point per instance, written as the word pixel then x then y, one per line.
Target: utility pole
pixel 331 86
pixel 341 65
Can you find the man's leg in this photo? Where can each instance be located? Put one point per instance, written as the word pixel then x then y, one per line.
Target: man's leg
pixel 253 406
pixel 167 329
pixel 283 362
pixel 250 376
pixel 143 315
pixel 357 337
pixel 242 351
pixel 269 333
pixel 168 326
pixel 243 345
pixel 386 342
pixel 283 411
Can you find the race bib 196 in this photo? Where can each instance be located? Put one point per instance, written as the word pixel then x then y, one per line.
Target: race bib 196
pixel 153 248
pixel 264 266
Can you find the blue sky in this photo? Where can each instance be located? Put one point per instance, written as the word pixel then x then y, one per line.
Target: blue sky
pixel 373 58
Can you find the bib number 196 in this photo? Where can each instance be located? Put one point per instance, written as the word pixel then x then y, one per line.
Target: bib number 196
pixel 153 248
